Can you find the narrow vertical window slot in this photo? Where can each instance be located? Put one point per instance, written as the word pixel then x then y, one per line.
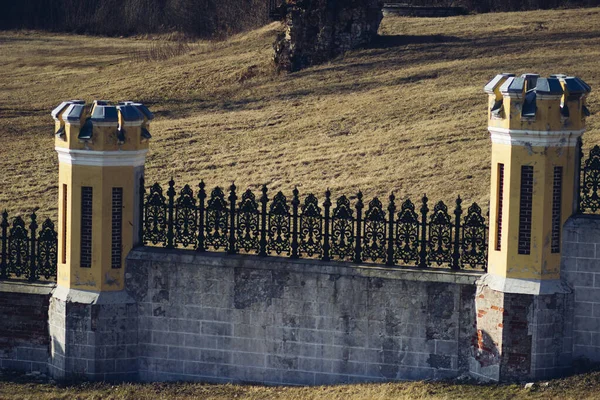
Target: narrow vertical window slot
pixel 556 206
pixel 64 225
pixel 525 212
pixel 117 227
pixel 499 207
pixel 86 227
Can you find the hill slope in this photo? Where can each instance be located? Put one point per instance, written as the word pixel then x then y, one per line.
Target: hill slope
pixel 406 115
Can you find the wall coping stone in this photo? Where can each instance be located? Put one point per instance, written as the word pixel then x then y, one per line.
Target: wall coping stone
pixel 214 259
pixel 42 288
pixel 576 221
pixel 89 297
pixel 524 286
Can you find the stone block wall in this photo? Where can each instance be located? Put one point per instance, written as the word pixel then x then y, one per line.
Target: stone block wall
pixel 279 321
pixel 24 336
pixel 581 269
pixel 94 336
pixel 222 318
pixel 522 336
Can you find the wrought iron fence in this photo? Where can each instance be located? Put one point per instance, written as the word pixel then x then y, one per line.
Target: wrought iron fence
pixel 334 229
pixel 589 185
pixel 25 252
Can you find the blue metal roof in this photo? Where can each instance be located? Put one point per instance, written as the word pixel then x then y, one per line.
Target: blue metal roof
pixel 513 85
pixel 130 113
pixel 144 110
pixel 529 105
pixel 549 86
pixel 74 112
pixel 104 113
pixel 574 86
pixel 86 131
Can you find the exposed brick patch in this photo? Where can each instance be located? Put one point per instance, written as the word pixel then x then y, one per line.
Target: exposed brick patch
pixel 486 345
pixel 522 336
pixel 516 337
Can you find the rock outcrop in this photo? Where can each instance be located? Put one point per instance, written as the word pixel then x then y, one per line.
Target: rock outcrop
pixel 319 30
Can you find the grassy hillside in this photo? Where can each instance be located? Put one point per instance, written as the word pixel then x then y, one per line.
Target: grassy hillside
pixel 406 115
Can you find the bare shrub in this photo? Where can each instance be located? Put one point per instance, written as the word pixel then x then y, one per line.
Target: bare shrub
pixel 201 18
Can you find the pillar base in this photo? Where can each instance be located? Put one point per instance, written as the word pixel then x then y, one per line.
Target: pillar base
pixel 521 336
pixel 93 335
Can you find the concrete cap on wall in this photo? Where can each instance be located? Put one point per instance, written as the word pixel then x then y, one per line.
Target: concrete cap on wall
pixel 73 113
pixel 62 106
pixel 493 84
pixel 513 85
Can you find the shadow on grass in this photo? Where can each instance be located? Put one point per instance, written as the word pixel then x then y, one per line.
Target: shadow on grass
pixel 390 41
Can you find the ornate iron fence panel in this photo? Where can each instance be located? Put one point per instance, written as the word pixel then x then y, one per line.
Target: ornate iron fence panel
pixel 440 235
pixel 590 185
pixel 474 239
pixel 217 218
pixel 374 232
pixel 24 253
pixel 47 251
pixel 279 225
pixel 18 248
pixel 311 228
pixel 346 232
pixel 186 218
pixel 155 216
pixel 407 234
pixel 342 230
pixel 248 227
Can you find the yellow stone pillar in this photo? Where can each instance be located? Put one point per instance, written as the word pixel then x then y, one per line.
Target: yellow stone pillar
pixel 535 124
pixel 101 152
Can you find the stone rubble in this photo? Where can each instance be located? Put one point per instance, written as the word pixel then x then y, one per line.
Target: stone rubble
pixel 319 30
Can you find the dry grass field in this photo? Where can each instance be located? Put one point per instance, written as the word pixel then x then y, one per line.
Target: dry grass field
pixel 579 387
pixel 405 115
